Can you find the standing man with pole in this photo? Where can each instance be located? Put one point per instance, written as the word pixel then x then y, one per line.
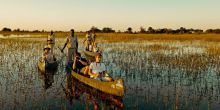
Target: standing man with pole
pixel 72 45
pixel 88 40
pixel 51 41
pixel 93 37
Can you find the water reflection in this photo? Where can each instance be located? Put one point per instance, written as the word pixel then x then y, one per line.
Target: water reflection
pixel 48 78
pixel 154 80
pixel 90 97
pixel 162 81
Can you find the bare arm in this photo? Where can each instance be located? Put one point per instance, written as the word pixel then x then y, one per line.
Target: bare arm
pixel 83 62
pixel 92 74
pixel 65 45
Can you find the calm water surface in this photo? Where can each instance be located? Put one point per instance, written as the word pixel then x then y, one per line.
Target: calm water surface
pixel 181 76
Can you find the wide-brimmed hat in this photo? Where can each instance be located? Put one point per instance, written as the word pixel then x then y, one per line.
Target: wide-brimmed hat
pixel 46 47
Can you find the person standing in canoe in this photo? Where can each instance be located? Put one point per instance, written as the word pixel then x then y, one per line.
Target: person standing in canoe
pixel 72 45
pixel 88 40
pixel 93 37
pixel 51 41
pixel 97 69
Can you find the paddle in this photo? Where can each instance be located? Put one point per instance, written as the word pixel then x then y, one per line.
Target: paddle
pixel 63 54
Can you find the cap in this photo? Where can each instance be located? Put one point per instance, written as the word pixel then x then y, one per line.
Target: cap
pixel 46 47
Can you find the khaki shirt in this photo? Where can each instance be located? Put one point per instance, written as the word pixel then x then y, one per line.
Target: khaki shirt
pixel 88 37
pixel 51 39
pixel 72 42
pixel 93 37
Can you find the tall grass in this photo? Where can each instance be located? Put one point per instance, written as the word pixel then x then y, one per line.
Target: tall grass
pixel 166 71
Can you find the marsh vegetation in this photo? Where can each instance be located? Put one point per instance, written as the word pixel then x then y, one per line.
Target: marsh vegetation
pixel 161 71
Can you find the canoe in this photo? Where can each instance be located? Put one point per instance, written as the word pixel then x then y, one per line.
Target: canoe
pixel 90 55
pixel 115 87
pixel 79 89
pixel 45 66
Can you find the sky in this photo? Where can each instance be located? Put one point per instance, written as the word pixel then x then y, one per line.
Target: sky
pixel 117 14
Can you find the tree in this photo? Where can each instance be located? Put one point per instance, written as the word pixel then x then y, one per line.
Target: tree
pixel 35 31
pixel 142 30
pixel 95 29
pixel 182 30
pixel 151 30
pixel 209 31
pixel 6 29
pixel 108 30
pixel 129 30
pixel 17 30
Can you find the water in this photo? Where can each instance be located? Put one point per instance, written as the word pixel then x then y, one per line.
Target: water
pixel 157 75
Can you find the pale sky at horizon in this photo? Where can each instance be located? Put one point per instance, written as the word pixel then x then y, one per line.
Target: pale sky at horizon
pixel 117 14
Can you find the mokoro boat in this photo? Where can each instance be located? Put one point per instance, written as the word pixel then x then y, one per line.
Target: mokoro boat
pixel 45 66
pixel 79 89
pixel 90 55
pixel 115 87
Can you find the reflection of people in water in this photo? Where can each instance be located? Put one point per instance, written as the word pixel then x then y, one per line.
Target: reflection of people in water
pixel 76 90
pixel 48 79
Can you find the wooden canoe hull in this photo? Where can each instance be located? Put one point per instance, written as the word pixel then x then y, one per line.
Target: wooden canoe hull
pixel 80 87
pixel 114 88
pixel 43 66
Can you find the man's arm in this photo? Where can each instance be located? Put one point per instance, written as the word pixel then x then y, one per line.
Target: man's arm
pixel 84 62
pixel 92 74
pixel 64 45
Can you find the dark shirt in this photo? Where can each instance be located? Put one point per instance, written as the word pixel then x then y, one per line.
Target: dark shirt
pixel 79 65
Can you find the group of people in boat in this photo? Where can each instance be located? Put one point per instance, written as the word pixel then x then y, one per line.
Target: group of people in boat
pixel 96 70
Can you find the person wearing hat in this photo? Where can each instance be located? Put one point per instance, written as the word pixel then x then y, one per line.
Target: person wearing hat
pixel 72 45
pixel 95 47
pixel 47 55
pixel 97 69
pixel 51 41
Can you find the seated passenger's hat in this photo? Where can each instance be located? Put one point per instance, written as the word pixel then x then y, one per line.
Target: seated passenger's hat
pixel 46 47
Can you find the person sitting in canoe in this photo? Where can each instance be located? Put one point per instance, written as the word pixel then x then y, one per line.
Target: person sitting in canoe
pixel 95 47
pixel 79 62
pixel 97 69
pixel 47 55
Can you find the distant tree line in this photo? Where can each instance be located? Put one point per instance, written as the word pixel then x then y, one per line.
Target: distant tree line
pixel 149 30
pixel 181 30
pixel 103 30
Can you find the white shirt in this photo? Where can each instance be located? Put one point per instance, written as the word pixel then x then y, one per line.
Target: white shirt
pixel 97 67
pixel 49 57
